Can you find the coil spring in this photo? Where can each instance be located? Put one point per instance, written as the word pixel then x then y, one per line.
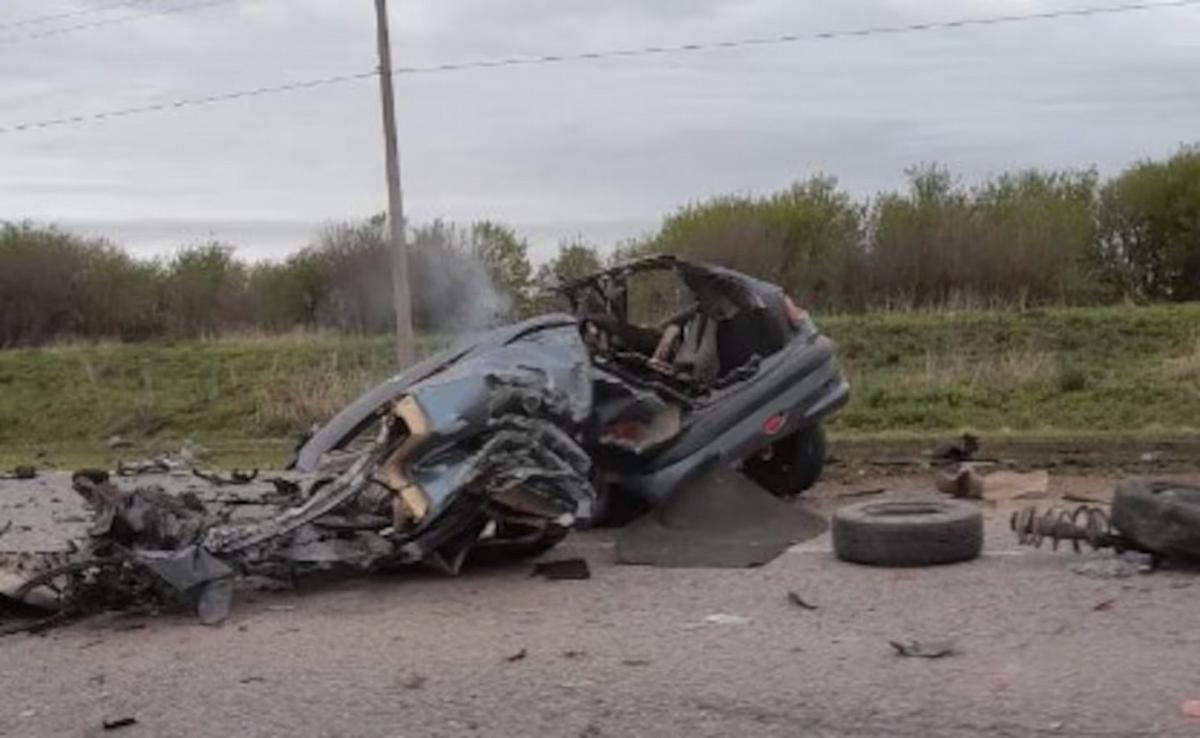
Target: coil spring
pixel 1086 524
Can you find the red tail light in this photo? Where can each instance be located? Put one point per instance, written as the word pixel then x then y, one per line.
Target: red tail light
pixel 774 424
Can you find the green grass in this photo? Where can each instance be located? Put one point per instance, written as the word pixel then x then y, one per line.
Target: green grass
pixel 1053 371
pixel 1040 373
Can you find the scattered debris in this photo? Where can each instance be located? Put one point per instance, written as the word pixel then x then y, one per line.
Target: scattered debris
pixel 236 477
pixel 925 649
pixel 119 723
pixel 518 656
pixel 798 601
pixel 562 569
pixel 869 492
pixel 1000 486
pixel 415 681
pixel 1003 486
pixel 963 484
pixel 1091 498
pixel 20 472
pixel 962 450
pixel 1158 518
pixel 1103 605
pixel 138 468
pixel 252 680
pixel 1083 525
pixel 721 618
pixel 6 527
pixel 1110 565
pixel 573 654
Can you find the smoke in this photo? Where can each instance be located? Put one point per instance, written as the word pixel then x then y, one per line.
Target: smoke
pixel 453 292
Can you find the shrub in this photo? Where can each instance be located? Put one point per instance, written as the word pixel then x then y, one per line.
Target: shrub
pixel 1149 240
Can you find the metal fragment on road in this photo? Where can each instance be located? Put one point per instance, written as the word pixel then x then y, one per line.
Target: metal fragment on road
pixel 118 723
pixel 934 649
pixel 798 601
pixel 563 569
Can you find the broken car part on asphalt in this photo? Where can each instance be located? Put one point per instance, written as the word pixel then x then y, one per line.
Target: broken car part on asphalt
pixel 924 649
pixel 1155 517
pixel 503 444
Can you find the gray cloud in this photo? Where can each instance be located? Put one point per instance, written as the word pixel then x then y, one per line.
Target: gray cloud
pixel 599 149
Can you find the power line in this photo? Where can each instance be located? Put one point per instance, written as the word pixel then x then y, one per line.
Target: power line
pixel 6 40
pixel 594 55
pixel 794 38
pixel 37 20
pixel 192 101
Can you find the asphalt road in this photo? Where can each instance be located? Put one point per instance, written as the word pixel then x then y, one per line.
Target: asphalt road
pixel 637 651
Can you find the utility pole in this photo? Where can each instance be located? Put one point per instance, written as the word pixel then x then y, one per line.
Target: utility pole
pixel 401 296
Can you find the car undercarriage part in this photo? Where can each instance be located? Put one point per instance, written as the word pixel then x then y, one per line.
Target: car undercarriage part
pixel 1157 517
pixel 916 533
pixel 722 519
pixel 1085 525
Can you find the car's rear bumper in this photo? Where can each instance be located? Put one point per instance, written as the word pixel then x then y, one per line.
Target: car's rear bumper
pixel 817 391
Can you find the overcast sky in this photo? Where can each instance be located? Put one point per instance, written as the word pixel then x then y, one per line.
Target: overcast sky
pixel 601 149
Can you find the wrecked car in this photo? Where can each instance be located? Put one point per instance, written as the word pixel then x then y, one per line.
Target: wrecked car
pixel 664 371
pixel 560 419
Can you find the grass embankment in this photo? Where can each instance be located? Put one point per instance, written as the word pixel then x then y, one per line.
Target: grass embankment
pixel 1054 372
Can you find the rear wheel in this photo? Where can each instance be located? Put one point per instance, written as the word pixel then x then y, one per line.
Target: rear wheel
pixel 792 464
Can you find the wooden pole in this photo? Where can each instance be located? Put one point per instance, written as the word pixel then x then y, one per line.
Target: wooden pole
pixel 401 295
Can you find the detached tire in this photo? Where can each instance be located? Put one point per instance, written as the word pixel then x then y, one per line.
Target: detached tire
pixel 908 533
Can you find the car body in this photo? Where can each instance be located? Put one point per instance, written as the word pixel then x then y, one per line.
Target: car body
pixel 523 431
